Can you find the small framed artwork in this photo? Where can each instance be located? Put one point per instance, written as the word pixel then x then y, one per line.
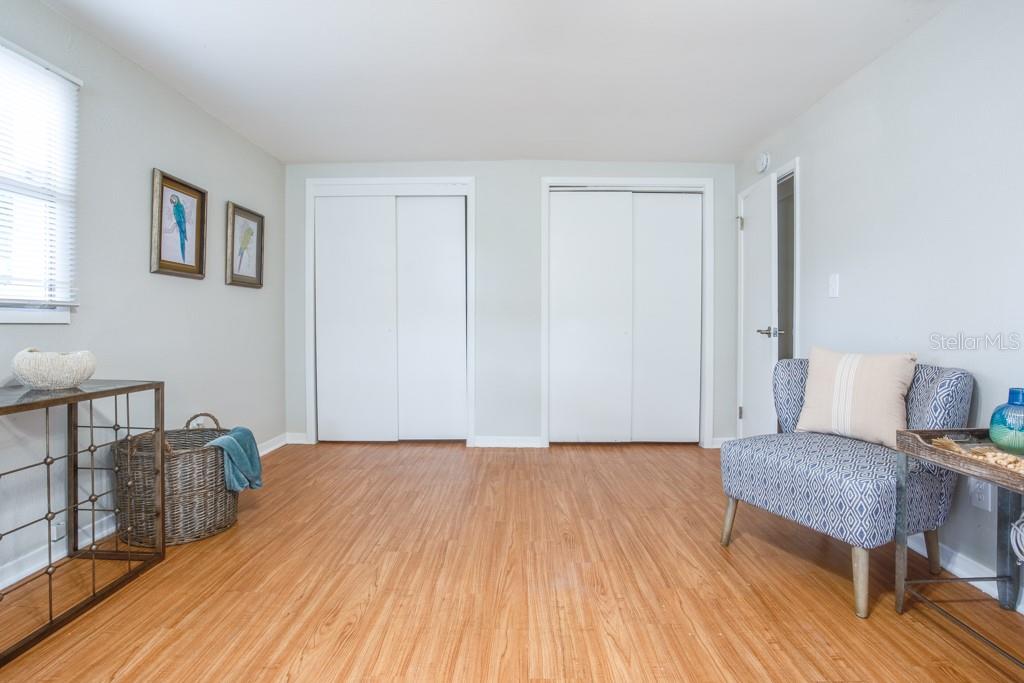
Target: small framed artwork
pixel 178 241
pixel 244 250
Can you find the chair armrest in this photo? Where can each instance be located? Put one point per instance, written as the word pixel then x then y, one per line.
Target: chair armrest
pixel 939 398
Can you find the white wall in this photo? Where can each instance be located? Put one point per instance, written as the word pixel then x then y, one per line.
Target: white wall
pixel 911 191
pixel 219 348
pixel 508 274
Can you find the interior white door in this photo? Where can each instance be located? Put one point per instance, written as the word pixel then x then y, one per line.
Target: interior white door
pixel 431 317
pixel 357 379
pixel 666 316
pixel 591 311
pixel 758 319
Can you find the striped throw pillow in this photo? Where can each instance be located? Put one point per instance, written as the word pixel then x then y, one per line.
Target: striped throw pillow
pixel 859 395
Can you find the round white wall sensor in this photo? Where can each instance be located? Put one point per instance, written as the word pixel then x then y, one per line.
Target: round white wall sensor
pixel 763 161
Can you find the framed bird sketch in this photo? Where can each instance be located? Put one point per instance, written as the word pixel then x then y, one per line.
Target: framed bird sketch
pixel 178 244
pixel 244 249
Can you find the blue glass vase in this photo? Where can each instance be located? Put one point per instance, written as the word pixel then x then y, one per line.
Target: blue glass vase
pixel 1007 427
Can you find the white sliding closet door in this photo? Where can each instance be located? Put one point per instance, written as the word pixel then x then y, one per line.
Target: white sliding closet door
pixel 666 316
pixel 591 310
pixel 624 316
pixel 357 378
pixel 431 317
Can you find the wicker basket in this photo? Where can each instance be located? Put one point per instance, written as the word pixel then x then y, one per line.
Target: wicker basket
pixel 197 503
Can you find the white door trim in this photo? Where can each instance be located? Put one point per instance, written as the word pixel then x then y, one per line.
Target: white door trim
pixel 706 187
pixel 400 187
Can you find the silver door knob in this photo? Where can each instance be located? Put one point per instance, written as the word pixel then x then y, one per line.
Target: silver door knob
pixel 766 331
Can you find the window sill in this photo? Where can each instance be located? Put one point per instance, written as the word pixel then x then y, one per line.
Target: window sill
pixel 35 316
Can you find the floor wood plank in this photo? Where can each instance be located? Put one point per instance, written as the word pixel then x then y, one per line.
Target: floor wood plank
pixel 430 561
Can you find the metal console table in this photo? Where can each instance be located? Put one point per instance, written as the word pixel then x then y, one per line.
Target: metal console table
pixel 74 576
pixel 917 443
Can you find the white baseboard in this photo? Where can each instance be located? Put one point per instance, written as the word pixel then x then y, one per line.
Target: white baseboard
pixel 272 444
pixel 285 439
pixel 958 564
pixel 537 442
pixel 506 442
pixel 298 438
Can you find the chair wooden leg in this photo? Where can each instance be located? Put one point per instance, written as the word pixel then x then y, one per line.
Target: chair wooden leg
pixel 860 581
pixel 931 542
pixel 730 516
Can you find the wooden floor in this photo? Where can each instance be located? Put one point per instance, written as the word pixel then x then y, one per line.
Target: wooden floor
pixel 425 562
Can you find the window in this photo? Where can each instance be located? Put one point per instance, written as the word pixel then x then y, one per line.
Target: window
pixel 38 148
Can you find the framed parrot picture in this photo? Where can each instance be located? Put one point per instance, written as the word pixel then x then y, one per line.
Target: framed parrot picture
pixel 178 243
pixel 244 248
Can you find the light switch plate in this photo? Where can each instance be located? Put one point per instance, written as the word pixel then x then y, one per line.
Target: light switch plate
pixel 833 286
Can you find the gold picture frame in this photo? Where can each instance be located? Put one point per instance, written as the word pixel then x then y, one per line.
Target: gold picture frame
pixel 243 247
pixel 178 227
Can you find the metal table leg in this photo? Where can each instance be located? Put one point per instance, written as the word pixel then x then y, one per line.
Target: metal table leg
pixel 901 529
pixel 1006 561
pixel 71 519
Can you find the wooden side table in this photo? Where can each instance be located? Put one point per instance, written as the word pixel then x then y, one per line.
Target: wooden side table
pixel 74 578
pixel 917 443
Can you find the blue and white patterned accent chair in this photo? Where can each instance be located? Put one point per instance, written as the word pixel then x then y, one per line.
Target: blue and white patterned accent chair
pixel 841 486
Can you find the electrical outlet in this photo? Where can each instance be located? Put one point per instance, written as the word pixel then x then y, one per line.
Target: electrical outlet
pixel 981 494
pixel 56 531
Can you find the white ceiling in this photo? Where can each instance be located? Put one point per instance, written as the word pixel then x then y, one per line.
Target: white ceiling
pixel 365 80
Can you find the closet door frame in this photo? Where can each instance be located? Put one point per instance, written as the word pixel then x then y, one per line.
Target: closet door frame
pixel 397 187
pixel 703 186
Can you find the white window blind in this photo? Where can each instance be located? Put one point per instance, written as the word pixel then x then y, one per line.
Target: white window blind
pixel 38 149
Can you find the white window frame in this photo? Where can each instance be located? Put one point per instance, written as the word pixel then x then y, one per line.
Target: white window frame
pixel 28 315
pixel 32 315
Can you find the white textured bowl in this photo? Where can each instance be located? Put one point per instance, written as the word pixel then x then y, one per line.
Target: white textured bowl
pixel 49 370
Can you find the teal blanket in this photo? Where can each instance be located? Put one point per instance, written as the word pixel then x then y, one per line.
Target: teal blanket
pixel 242 466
